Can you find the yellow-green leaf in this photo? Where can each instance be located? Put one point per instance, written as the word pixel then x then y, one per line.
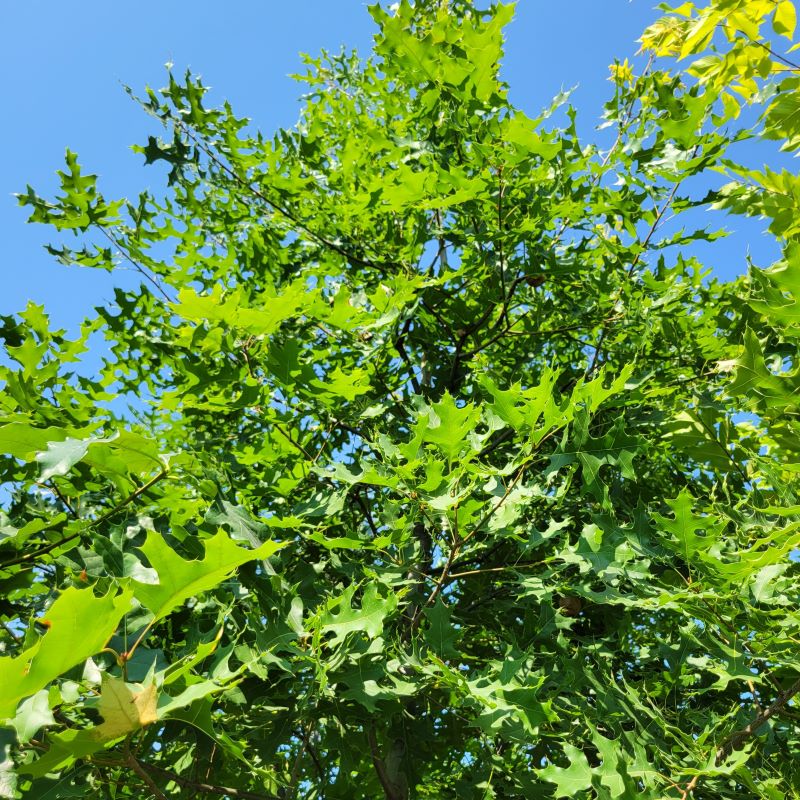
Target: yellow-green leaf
pixel 785 20
pixel 124 708
pixel 79 625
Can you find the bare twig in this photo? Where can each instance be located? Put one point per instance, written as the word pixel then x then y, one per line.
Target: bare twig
pixel 598 348
pixel 440 583
pixel 146 274
pixel 367 513
pixel 306 737
pixel 296 445
pixel 17 637
pixel 53 487
pixel 690 787
pixel 401 348
pixel 492 511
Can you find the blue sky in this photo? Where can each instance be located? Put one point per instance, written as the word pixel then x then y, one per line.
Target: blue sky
pixel 62 66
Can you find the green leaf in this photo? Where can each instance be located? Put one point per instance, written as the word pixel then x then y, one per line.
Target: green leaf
pixel 78 626
pixel 23 441
pixel 445 350
pixel 447 425
pixel 686 525
pixel 785 20
pixel 180 579
pixel 63 749
pixel 440 633
pixel 32 715
pixel 341 618
pixel 60 457
pixel 571 780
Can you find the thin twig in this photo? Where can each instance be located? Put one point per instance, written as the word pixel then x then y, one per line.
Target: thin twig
pixel 57 492
pixel 440 583
pixel 489 514
pixel 306 736
pixel 208 788
pixel 509 332
pixel 99 521
pixel 319 238
pixel 484 570
pixel 690 787
pixel 400 347
pixel 11 632
pixel 367 514
pixel 291 441
pixel 598 348
pixel 138 267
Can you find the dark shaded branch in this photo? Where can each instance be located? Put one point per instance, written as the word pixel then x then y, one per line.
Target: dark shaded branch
pixel 133 763
pixel 311 750
pixel 507 434
pixel 440 583
pixel 206 788
pixel 380 768
pixel 737 739
pixel 453 381
pixel 57 492
pixel 401 348
pixel 367 513
pixel 598 348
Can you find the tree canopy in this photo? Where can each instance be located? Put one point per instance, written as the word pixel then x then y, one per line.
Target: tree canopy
pixel 427 460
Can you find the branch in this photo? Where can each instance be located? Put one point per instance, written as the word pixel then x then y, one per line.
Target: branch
pixel 291 441
pixel 738 738
pixel 453 381
pixel 132 762
pixel 400 347
pixel 137 266
pixel 625 119
pixel 317 237
pixel 690 787
pixel 492 511
pixel 793 66
pixel 99 521
pixel 57 492
pixel 380 768
pixel 507 434
pixel 440 583
pixel 17 637
pixel 207 788
pixel 438 317
pixel 445 576
pixel 367 513
pixel 306 737
pixel 508 331
pixel 653 228
pixel 500 254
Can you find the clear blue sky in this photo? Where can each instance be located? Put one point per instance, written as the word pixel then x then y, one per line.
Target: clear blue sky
pixel 62 66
